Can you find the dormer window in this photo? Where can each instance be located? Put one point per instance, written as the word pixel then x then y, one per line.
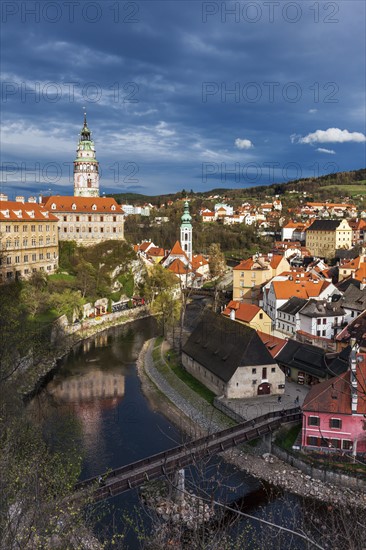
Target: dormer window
pixel 73 206
pixel 113 207
pixel 53 206
pixel 94 207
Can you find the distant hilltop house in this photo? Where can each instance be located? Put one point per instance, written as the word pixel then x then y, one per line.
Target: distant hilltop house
pixel 334 411
pixel 230 359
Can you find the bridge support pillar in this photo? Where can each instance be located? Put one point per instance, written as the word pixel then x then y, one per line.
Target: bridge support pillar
pixel 179 485
pixel 267 442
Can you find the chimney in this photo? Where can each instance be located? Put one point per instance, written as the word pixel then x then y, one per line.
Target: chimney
pixel 3 197
pixel 19 198
pixel 232 314
pixel 363 284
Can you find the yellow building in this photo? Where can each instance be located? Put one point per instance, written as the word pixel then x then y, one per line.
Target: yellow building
pixel 28 239
pixel 324 237
pixel 251 274
pixel 250 315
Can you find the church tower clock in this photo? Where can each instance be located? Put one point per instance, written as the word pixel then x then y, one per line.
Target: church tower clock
pixel 86 166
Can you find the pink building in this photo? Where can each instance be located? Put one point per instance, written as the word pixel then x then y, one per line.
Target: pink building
pixel 334 411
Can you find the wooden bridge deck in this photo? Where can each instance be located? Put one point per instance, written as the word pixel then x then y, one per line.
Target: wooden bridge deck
pixel 167 462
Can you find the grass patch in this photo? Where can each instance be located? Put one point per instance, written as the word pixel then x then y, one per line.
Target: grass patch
pixel 46 317
pixel 188 379
pixel 66 277
pixel 286 438
pixel 353 189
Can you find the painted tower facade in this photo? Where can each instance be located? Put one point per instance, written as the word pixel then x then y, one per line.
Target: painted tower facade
pixel 186 232
pixel 86 166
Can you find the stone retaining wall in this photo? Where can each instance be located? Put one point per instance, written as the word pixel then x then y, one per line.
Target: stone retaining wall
pixel 327 476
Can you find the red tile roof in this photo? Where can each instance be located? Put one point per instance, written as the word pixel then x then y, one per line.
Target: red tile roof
pixel 83 204
pixel 334 395
pixel 178 267
pixel 243 312
pixel 177 250
pixel 28 211
pixel 272 343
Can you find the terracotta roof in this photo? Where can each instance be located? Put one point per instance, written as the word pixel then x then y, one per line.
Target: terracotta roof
pixel 245 265
pixel 198 261
pixel 275 261
pixel 243 312
pixel 284 290
pixel 360 273
pixel 83 204
pixel 334 395
pixel 208 214
pixel 178 267
pixel 144 246
pixel 272 343
pixel 156 251
pixel 177 250
pixel 28 211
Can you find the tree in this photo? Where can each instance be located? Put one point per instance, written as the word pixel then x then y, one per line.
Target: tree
pixel 67 303
pixel 217 264
pixel 158 280
pixel 167 307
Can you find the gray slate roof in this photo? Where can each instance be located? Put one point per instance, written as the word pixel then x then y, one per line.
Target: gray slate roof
pixel 293 305
pixel 354 298
pixel 319 308
pixel 324 225
pixel 222 345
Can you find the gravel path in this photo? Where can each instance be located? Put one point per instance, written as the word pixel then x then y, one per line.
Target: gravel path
pixel 185 399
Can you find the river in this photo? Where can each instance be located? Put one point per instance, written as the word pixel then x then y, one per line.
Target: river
pixel 95 399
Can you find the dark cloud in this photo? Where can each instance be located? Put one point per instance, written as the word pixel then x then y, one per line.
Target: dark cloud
pixel 171 85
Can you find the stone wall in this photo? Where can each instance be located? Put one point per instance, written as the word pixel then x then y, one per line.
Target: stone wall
pixel 327 476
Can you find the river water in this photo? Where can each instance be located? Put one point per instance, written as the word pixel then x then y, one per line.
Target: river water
pixel 95 399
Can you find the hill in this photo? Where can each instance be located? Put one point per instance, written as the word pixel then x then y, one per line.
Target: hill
pixel 340 184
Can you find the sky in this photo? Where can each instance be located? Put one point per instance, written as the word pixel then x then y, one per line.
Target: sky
pixel 191 94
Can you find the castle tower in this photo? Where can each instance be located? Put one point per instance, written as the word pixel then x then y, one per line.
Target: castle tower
pixel 186 232
pixel 86 166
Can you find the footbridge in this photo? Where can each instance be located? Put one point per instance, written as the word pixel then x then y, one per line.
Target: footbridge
pixel 168 462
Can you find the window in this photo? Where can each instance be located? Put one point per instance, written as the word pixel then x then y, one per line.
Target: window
pixel 261 316
pixel 318 321
pixel 346 444
pixel 114 218
pixel 335 423
pixel 8 260
pixel 17 259
pixel 313 421
pixel 33 228
pixel 254 382
pixel 335 443
pixel 25 228
pixel 7 229
pixel 102 218
pixel 114 230
pixel 40 228
pixel 313 441
pixel 90 229
pixel 254 371
pixel 26 258
pixel 89 218
pixel 34 257
pixel 41 256
pixel 324 332
pixel 264 372
pixel 34 242
pixel 101 230
pixel 77 218
pixel 16 228
pixel 273 369
pixel 48 255
pixel 65 218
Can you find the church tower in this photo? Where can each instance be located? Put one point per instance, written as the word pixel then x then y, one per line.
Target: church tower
pixel 86 166
pixel 186 232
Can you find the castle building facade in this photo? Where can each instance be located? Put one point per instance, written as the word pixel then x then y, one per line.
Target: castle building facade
pixel 28 239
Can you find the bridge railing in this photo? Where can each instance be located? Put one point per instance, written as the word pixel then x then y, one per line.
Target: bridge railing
pixel 188 448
